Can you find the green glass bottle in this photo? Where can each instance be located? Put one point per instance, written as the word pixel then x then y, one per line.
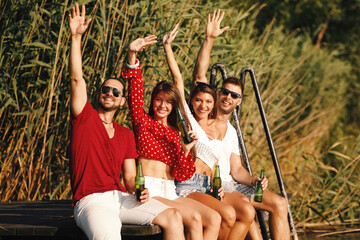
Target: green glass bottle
pixel 258 190
pixel 216 183
pixel 139 182
pixel 182 124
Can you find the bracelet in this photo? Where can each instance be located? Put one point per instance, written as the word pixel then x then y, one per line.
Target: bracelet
pixel 252 182
pixel 137 62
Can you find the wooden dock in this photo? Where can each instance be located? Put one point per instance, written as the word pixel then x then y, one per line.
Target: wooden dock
pixel 54 220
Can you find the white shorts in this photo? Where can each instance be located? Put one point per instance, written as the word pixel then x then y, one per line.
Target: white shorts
pixel 100 215
pixel 161 187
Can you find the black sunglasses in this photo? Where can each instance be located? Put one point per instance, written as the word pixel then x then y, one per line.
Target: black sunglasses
pixel 227 91
pixel 106 89
pixel 202 84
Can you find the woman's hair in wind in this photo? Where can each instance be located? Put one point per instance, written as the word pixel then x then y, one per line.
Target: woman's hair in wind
pixel 174 95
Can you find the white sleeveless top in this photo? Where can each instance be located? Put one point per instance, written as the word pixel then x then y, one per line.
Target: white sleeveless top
pixel 208 150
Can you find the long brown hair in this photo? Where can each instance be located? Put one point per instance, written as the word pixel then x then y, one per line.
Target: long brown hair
pixel 173 93
pixel 204 88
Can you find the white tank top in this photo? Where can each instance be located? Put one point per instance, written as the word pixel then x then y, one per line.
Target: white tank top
pixel 208 150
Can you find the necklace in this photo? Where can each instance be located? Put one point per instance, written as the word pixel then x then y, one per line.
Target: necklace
pixel 105 122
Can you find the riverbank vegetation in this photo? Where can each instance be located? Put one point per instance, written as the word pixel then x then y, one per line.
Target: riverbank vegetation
pixel 309 89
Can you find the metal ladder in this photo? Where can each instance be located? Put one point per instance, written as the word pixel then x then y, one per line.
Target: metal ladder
pixel 236 116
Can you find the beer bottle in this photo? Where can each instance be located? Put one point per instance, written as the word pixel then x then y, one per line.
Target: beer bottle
pixel 216 183
pixel 183 127
pixel 139 182
pixel 258 190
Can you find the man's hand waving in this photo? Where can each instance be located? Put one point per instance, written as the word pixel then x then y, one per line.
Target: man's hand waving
pixel 77 22
pixel 213 29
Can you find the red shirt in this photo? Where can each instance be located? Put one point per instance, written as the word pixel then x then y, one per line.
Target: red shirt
pixel 95 159
pixel 153 139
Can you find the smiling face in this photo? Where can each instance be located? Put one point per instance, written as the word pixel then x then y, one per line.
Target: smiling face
pixel 227 103
pixel 202 104
pixel 162 106
pixel 107 99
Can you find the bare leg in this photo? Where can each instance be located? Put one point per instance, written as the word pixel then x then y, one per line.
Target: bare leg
pixel 278 214
pixel 254 232
pixel 245 214
pixel 196 216
pixel 227 212
pixel 171 222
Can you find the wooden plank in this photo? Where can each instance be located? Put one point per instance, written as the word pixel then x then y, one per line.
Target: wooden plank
pixel 52 218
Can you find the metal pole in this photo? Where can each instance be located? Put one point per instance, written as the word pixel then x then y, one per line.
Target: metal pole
pixel 241 141
pixel 270 144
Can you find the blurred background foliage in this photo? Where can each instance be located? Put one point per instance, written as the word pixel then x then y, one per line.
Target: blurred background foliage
pixel 305 55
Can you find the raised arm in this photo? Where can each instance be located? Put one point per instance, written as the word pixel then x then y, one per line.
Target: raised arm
pixel 78 26
pixel 132 73
pixel 170 59
pixel 213 30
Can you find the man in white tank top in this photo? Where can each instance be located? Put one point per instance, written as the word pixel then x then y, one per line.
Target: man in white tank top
pixel 234 175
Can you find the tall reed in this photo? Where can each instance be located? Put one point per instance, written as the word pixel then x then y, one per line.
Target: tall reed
pixel 302 88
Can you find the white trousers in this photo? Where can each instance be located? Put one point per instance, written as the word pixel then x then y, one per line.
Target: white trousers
pixel 100 215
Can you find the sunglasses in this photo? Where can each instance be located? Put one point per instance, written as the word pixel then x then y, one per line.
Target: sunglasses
pixel 106 89
pixel 227 91
pixel 202 84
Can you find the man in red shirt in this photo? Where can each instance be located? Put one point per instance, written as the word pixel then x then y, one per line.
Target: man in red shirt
pixel 100 150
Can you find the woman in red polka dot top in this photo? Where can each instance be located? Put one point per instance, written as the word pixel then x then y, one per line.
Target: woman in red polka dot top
pixel 159 146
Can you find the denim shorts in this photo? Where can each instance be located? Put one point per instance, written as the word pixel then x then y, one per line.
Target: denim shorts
pixel 197 183
pixel 232 186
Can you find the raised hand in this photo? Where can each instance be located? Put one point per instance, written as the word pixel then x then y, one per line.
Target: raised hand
pixel 77 22
pixel 170 36
pixel 139 44
pixel 213 29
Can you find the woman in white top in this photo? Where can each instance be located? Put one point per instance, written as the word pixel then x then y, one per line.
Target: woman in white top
pixel 209 149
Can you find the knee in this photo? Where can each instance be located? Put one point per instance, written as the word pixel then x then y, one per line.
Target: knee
pixel 228 215
pixel 280 205
pixel 169 218
pixel 248 213
pixel 195 219
pixel 214 219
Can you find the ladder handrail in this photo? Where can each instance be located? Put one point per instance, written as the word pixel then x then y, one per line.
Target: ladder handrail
pixel 236 116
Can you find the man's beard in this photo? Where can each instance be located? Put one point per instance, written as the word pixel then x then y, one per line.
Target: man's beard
pixel 109 109
pixel 225 111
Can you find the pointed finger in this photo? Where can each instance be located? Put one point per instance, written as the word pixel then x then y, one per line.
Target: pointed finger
pixel 175 34
pixel 217 15
pixel 83 13
pixel 77 11
pixel 209 18
pixel 150 38
pixel 213 17
pixel 73 12
pixel 222 16
pixel 149 43
pixel 175 28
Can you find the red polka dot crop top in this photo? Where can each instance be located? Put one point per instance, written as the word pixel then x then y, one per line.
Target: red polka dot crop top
pixel 153 139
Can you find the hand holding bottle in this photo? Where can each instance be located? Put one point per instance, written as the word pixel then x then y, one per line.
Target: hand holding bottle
pixel 187 147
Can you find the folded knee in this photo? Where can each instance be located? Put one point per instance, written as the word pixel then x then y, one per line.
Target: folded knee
pixel 228 215
pixel 281 205
pixel 169 218
pixel 214 219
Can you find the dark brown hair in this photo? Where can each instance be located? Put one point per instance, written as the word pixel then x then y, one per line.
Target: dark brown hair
pixel 205 88
pixel 235 81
